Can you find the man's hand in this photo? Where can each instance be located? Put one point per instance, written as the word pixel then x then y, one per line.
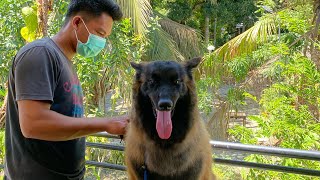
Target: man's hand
pixel 117 125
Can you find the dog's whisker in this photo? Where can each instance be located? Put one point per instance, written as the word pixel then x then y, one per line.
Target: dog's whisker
pixel 172 112
pixel 154 113
pixel 154 109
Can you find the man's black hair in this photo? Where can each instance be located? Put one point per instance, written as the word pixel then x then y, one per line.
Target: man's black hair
pixel 94 8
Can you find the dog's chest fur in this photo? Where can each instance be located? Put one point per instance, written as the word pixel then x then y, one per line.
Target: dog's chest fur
pixel 177 162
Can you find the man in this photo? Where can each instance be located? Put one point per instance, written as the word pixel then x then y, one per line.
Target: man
pixel 45 128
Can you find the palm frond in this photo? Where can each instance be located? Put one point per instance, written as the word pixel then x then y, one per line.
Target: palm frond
pixel 172 41
pixel 162 47
pixel 139 11
pixel 248 40
pixel 187 39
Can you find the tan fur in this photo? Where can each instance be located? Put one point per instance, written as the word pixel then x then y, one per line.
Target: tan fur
pixel 141 149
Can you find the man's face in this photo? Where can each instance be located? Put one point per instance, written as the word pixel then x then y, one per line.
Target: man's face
pixel 100 26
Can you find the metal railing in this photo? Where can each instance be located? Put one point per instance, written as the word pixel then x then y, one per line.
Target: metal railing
pixel 227 146
pixel 234 147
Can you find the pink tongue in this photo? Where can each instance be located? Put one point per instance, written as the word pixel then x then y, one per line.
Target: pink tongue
pixel 164 124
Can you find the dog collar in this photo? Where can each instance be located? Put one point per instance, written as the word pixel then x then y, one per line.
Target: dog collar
pixel 145 172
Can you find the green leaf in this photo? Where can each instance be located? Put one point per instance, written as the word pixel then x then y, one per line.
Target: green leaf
pixel 248 95
pixel 27 34
pixel 31 21
pixel 30 17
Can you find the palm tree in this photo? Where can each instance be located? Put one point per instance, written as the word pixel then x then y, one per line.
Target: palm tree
pixel 249 40
pixel 263 29
pixel 172 40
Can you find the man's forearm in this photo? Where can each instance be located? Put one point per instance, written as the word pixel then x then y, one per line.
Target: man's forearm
pixel 52 126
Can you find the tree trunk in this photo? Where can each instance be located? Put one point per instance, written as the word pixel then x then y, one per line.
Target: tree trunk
pixel 218 123
pixel 44 6
pixel 215 32
pixel 207 30
pixel 315 53
pixel 3 112
pixel 99 98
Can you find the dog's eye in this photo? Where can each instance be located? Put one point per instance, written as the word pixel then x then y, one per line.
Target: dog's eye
pixel 150 81
pixel 178 81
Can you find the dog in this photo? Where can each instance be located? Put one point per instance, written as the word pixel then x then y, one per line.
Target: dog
pixel 166 140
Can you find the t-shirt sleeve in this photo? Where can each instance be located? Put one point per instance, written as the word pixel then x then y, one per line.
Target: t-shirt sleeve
pixel 35 75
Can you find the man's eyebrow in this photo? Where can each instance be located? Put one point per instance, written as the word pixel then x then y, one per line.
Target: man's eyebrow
pixel 101 30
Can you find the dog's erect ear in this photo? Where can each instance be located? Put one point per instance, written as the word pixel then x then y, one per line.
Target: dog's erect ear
pixel 193 63
pixel 136 66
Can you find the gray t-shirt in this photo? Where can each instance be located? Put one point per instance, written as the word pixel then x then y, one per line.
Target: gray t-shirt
pixel 40 71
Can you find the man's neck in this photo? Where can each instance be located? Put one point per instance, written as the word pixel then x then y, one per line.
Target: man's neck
pixel 62 39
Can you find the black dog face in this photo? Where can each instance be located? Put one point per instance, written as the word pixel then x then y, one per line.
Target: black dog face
pixel 162 85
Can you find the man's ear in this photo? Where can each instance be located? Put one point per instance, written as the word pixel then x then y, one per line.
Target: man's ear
pixel 193 63
pixel 75 21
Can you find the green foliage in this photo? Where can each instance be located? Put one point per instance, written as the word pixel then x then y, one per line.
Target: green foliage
pixel 2 150
pixel 239 68
pixel 112 156
pixel 254 174
pixel 29 32
pixel 235 98
pixel 280 48
pixel 56 18
pixel 205 95
pixel 260 56
pixel 2 147
pixel 11 22
pixel 3 93
pixel 193 13
pixel 288 116
pixel 249 40
pixel 100 155
pixel 243 134
pixel 290 108
pixel 227 172
pixel 179 11
pixel 297 20
pixel 230 13
pixel 213 68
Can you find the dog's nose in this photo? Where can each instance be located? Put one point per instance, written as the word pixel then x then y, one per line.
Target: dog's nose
pixel 165 104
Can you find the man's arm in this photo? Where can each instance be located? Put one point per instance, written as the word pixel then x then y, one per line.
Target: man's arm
pixel 37 121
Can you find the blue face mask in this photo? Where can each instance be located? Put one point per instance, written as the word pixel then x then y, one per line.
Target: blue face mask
pixel 92 47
